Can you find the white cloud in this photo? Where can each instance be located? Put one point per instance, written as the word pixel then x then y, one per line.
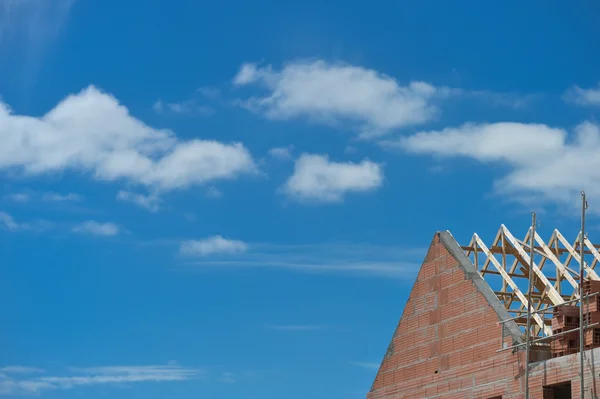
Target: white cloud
pixel 339 92
pixel 315 178
pixel 91 132
pixel 21 370
pixel 584 97
pixel 95 228
pixel 9 222
pixel 150 202
pixel 549 163
pixel 19 197
pixel 56 197
pixel 97 376
pixel 250 73
pixel 212 246
pixel 281 153
pixel 189 107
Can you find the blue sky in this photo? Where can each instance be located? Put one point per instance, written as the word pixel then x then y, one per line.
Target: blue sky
pixel 232 201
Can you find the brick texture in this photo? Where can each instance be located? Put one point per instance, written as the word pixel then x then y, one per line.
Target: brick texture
pixel 446 344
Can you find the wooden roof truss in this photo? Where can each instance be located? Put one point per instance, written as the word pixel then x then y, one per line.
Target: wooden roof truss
pixel 505 265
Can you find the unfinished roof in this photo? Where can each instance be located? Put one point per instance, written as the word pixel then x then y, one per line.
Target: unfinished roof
pixel 457 336
pixel 505 266
pixel 450 330
pixel 471 273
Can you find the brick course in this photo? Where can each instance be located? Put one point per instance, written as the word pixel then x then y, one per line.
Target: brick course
pixel 447 341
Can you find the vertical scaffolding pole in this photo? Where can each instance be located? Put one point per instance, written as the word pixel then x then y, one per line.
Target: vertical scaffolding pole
pixel 581 270
pixel 529 290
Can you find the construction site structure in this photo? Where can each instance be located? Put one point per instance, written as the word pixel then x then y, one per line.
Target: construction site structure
pixel 463 330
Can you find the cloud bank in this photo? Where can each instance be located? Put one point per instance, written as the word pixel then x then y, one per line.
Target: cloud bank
pixel 336 92
pixel 91 133
pixel 549 163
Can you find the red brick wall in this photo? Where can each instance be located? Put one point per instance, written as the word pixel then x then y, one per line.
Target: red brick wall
pixel 566 368
pixel 446 343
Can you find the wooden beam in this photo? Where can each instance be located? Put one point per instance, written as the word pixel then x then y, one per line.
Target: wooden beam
pixel 496 249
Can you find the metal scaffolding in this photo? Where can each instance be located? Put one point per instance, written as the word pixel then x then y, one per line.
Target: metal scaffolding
pixel 544 271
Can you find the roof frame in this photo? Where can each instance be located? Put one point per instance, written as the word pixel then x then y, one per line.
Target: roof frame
pixel 554 280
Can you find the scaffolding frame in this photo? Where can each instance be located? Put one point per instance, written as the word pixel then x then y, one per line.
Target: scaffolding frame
pixel 546 338
pixel 544 292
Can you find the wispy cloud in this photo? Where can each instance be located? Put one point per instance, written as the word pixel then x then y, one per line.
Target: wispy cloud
pixel 371 268
pixel 209 92
pixel 282 153
pixel 149 202
pixel 342 258
pixel 96 228
pixel 56 197
pixel 189 107
pixel 32 22
pixel 228 377
pixel 213 192
pixel 367 365
pixel 514 101
pixel 9 222
pixel 193 106
pixel 583 97
pixel 21 198
pixel 30 195
pixel 21 370
pixel 28 30
pixel 11 384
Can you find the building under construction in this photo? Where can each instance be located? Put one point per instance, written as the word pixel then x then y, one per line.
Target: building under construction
pixel 463 332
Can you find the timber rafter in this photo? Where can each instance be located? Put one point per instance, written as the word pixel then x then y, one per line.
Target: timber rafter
pixel 505 265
